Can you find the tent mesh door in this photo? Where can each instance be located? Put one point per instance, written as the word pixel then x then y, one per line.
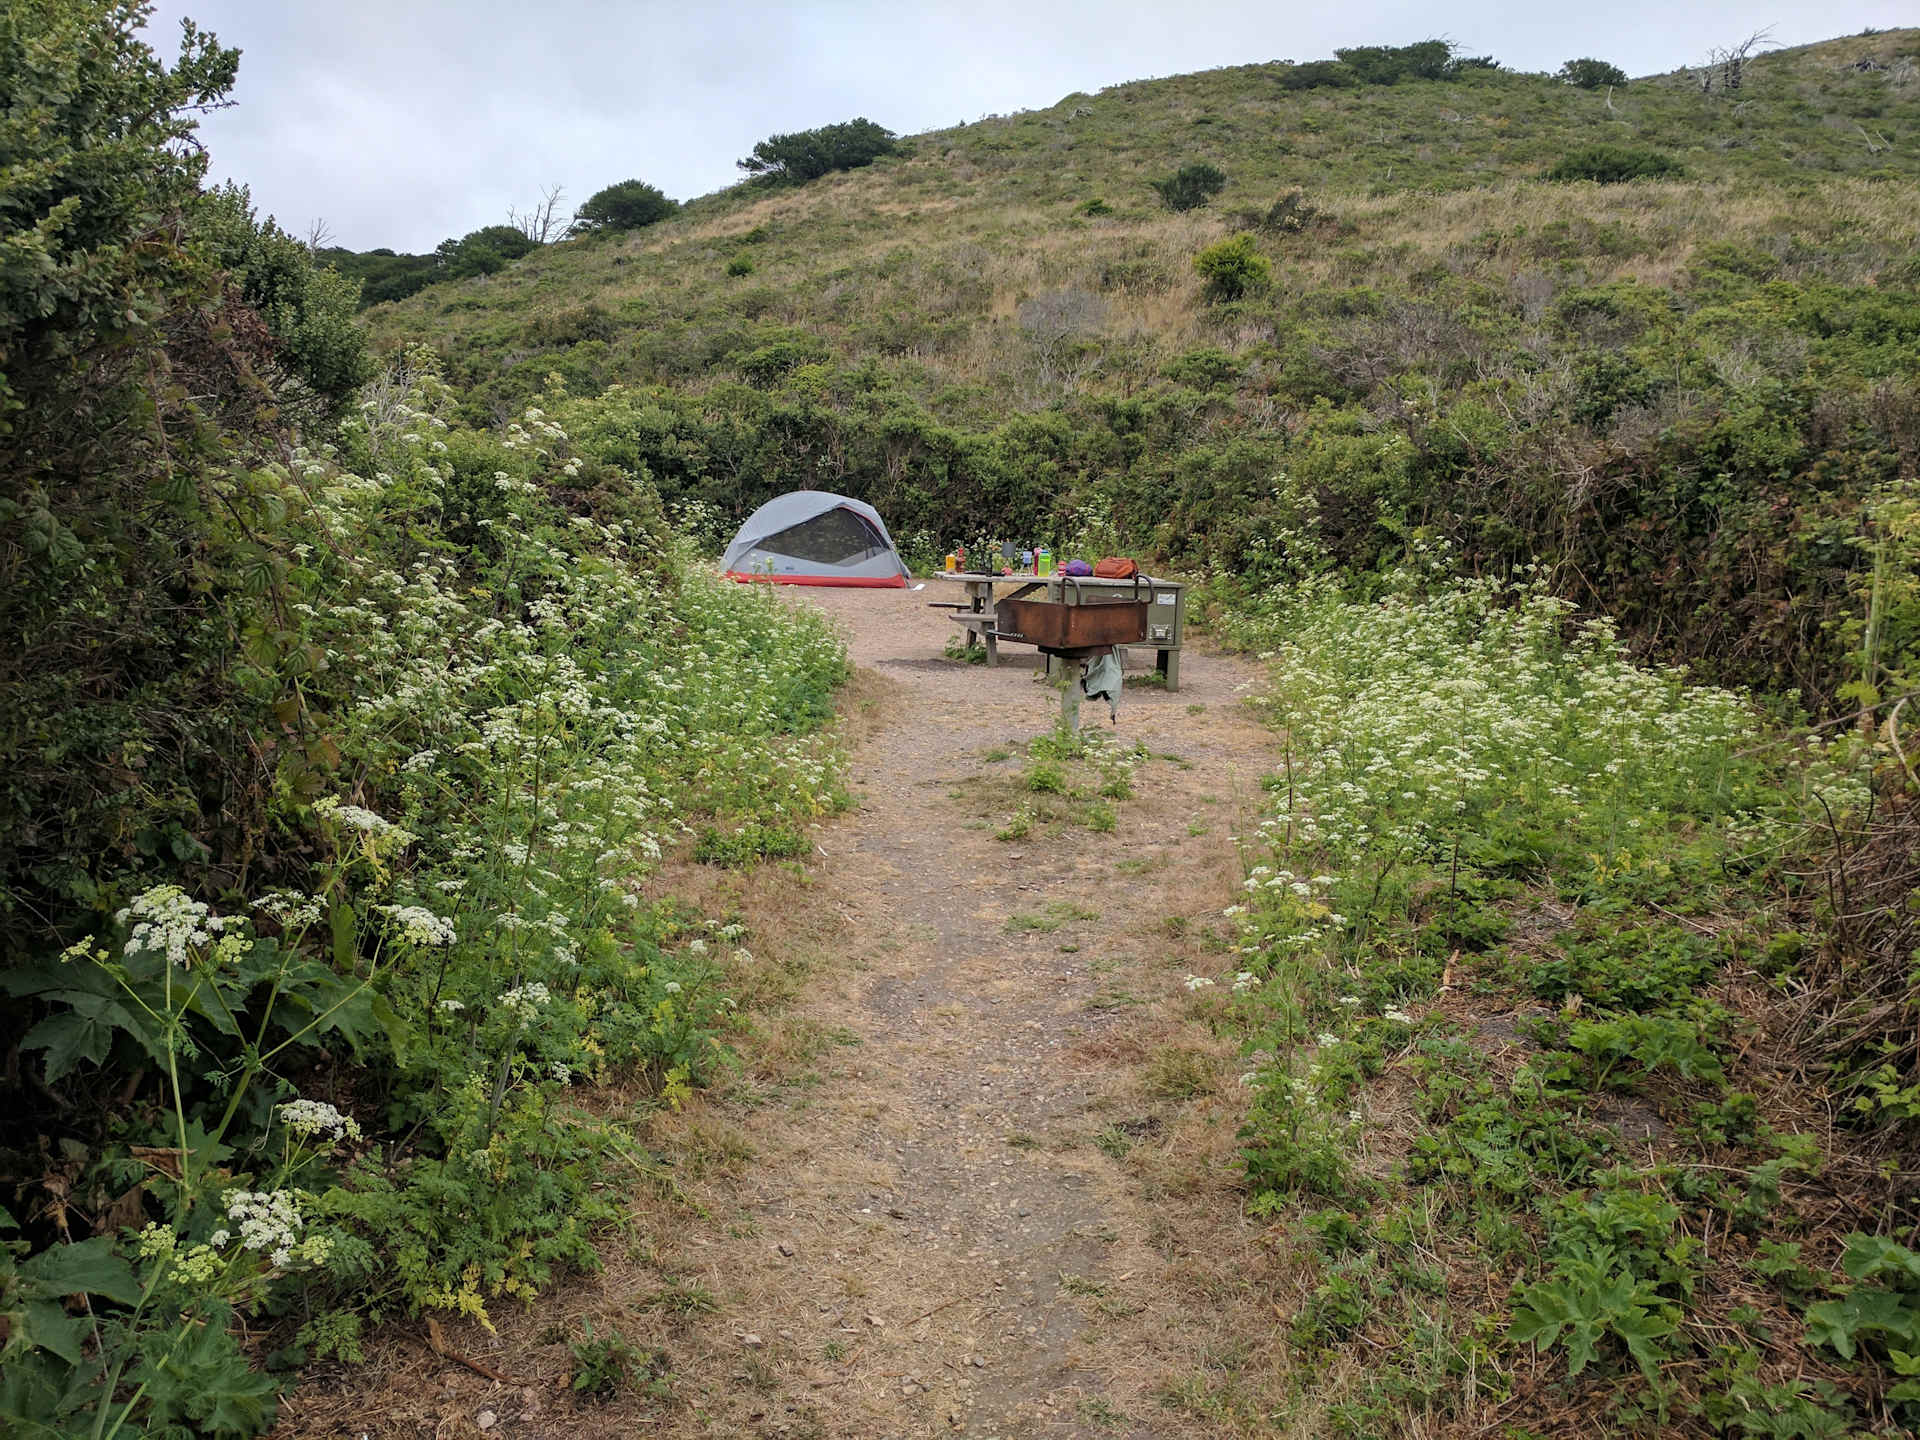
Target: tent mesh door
pixel 838 537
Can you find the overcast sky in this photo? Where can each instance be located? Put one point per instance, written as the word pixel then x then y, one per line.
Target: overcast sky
pixel 401 122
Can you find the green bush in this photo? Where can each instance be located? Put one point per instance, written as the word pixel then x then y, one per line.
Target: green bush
pixel 740 265
pixel 1591 74
pixel 630 205
pixel 1319 75
pixel 805 155
pixel 1615 164
pixel 1390 64
pixel 482 252
pixel 1191 186
pixel 1233 268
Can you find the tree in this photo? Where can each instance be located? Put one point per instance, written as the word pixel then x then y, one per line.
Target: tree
pixel 483 251
pixel 1591 74
pixel 808 154
pixel 630 205
pixel 1732 59
pixel 1191 186
pixel 541 222
pixel 1233 268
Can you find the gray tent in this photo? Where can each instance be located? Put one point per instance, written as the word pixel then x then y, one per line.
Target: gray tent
pixel 812 538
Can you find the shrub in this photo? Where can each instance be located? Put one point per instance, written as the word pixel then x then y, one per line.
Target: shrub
pixel 1291 212
pixel 1233 268
pixel 1191 186
pixel 1615 164
pixel 740 265
pixel 630 205
pixel 309 310
pixel 808 154
pixel 1319 75
pixel 1096 206
pixel 1591 74
pixel 1390 64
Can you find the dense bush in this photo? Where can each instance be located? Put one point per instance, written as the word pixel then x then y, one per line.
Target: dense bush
pixel 333 767
pixel 309 310
pixel 1319 75
pixel 1615 164
pixel 482 252
pixel 1390 64
pixel 1383 65
pixel 382 274
pixel 1233 268
pixel 1590 74
pixel 630 205
pixel 1191 186
pixel 808 154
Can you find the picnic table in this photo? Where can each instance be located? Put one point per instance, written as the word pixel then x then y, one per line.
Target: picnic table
pixel 977 613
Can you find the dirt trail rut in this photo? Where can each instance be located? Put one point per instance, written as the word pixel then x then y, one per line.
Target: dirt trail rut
pixel 986 1189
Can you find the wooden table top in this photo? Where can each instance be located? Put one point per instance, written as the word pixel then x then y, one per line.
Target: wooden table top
pixel 1027 577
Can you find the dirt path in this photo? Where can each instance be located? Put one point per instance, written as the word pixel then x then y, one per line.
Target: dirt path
pixel 978 1177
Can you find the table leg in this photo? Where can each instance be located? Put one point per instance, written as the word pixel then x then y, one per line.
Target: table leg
pixel 1170 667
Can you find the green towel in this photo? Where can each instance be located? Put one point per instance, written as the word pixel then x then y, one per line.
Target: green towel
pixel 1102 676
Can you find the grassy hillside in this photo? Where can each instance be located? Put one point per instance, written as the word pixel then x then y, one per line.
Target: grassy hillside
pixel 953 335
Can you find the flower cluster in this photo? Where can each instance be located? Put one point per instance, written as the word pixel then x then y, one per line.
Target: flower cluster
pixel 269 1221
pixel 524 1001
pixel 418 925
pixel 311 1119
pixel 167 919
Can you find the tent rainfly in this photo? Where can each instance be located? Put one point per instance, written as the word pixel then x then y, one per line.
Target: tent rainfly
pixel 812 538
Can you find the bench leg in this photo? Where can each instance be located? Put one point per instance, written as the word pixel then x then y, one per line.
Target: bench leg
pixel 993 651
pixel 1170 667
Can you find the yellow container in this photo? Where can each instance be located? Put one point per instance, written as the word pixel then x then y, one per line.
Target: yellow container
pixel 953 563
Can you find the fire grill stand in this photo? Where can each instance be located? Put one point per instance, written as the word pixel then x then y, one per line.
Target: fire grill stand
pixel 1076 631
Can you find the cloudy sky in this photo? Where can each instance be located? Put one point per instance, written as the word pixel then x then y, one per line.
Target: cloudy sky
pixel 401 122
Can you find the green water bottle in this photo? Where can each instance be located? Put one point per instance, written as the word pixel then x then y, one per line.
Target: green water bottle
pixel 1043 561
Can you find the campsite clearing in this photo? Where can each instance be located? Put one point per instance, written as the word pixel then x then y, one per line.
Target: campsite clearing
pixel 978 1177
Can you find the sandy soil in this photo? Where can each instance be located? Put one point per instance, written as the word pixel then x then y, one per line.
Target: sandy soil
pixel 975 1179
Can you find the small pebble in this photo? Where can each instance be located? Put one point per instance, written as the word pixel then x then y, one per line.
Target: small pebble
pixel 486 1419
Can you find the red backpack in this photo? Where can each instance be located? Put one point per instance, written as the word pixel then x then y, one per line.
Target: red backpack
pixel 1116 567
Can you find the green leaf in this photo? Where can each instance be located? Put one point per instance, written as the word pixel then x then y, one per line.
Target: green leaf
pixel 1872 1257
pixel 48 1327
pixel 88 1268
pixel 1841 1323
pixel 68 1039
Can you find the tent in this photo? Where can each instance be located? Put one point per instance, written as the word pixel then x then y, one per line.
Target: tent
pixel 812 538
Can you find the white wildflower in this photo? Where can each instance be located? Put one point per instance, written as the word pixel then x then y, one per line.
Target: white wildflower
pixel 525 1000
pixel 418 925
pixel 1198 982
pixel 354 817
pixel 167 919
pixel 315 1118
